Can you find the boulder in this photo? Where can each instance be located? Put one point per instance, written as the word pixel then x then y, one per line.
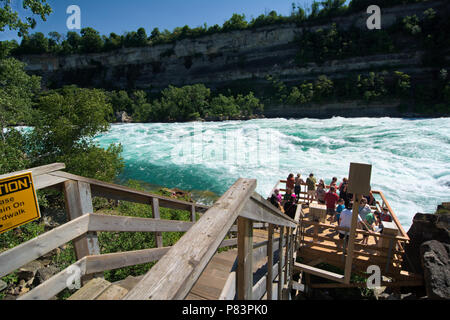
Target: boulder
pixel 28 271
pixel 425 227
pixel 436 266
pixel 50 223
pixel 44 274
pixel 123 117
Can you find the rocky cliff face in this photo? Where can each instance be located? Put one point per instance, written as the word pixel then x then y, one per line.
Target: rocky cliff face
pixel 217 60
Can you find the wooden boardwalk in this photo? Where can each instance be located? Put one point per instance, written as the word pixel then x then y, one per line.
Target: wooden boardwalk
pixel 208 287
pixel 211 282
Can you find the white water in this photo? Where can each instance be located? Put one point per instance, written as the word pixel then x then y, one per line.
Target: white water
pixel 410 158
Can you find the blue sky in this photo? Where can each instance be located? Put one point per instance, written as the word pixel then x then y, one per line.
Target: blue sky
pixel 122 16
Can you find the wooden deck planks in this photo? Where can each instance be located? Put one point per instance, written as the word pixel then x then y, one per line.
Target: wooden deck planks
pixel 213 279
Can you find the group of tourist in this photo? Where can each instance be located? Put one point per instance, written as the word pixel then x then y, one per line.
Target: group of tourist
pixel 338 206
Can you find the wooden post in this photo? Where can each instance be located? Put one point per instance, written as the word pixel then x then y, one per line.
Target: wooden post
pixel 351 241
pixel 292 257
pixel 308 284
pixel 269 282
pixel 280 264
pixel 79 202
pixel 358 184
pixel 286 255
pixel 193 218
pixel 316 233
pixel 156 215
pixel 245 259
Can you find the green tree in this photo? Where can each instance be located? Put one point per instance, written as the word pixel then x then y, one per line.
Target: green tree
pixel 249 104
pixel 10 18
pixel 236 22
pixel 69 120
pixel 402 83
pixel 323 87
pixel 120 101
pixel 17 90
pixel 112 42
pixel 155 36
pixel 224 106
pixel 91 41
pixel 72 44
pixel 54 41
pixel 136 39
pixel 37 43
pixel 141 37
pixel 7 48
pixel 186 103
pixel 141 107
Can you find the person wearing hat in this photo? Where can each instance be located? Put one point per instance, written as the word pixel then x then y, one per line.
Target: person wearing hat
pixel 290 207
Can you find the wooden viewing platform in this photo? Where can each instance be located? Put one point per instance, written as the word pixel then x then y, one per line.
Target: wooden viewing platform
pixel 262 246
pixel 320 243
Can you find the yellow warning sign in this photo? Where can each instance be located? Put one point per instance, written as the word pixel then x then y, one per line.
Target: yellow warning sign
pixel 18 201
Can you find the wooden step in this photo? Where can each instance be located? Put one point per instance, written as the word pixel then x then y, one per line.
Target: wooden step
pixel 129 283
pixel 99 289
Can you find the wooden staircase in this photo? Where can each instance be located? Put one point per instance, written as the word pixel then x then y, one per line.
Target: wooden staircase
pixel 190 269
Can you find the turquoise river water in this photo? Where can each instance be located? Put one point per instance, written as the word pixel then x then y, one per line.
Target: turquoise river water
pixel 410 158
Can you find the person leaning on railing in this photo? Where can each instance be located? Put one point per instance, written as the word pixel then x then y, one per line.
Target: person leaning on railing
pixel 298 182
pixel 290 183
pixel 311 184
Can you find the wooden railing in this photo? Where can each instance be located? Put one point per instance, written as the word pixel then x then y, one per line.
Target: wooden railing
pixel 277 266
pixel 384 256
pixel 178 267
pixel 175 274
pixel 384 204
pixel 387 257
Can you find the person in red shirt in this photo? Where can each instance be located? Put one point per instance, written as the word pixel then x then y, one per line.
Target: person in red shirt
pixel 331 199
pixel 290 183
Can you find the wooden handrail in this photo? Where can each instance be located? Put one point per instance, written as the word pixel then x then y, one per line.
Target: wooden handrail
pixel 18 256
pixel 394 216
pixel 118 192
pixel 176 273
pixel 259 209
pixel 37 171
pixel 360 231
